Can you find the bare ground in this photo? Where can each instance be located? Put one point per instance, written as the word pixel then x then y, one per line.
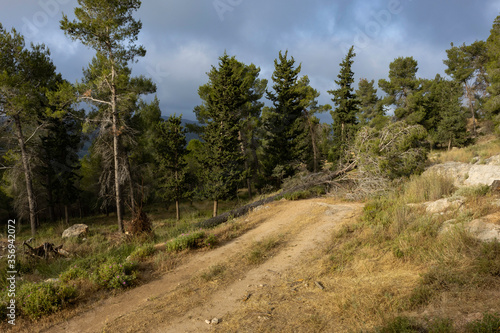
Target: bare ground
pixel 181 301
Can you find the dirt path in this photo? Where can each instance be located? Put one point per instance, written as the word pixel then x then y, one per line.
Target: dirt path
pixel 148 308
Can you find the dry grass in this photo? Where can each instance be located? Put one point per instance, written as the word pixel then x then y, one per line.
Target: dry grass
pixel 485 148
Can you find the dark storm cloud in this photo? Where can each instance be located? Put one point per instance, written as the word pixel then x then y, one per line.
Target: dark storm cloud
pixel 185 38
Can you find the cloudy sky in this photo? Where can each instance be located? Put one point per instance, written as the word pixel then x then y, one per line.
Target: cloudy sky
pixel 184 38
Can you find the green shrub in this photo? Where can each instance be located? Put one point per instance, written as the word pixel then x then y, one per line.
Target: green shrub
pixel 190 240
pixel 143 251
pixel 489 324
pixel 115 276
pixel 38 299
pixel 73 273
pixel 210 241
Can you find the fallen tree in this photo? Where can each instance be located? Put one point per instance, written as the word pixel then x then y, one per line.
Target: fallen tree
pixel 45 250
pixel 323 179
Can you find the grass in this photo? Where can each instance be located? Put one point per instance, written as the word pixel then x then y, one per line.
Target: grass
pixel 261 250
pixel 485 148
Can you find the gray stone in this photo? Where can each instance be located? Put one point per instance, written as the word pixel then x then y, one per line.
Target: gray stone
pixel 483 175
pixel 483 230
pixel 77 230
pixel 215 321
pixel 442 205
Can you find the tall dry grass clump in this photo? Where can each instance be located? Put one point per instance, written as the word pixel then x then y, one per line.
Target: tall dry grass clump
pixel 428 187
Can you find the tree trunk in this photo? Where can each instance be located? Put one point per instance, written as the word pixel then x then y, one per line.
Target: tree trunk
pixel 313 142
pixel 116 153
pixel 449 145
pixel 131 184
pixel 244 152
pixel 66 214
pixel 216 207
pixel 50 199
pixel 471 107
pixel 177 211
pixel 27 175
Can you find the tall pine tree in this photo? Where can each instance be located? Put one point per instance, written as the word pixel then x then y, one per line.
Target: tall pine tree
pixel 171 158
pixel 223 160
pixel 346 111
pixel 282 122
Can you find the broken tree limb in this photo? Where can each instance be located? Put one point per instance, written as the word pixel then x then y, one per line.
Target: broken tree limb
pixel 43 251
pixel 215 221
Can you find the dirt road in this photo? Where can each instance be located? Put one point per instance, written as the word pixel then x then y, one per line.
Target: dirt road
pixel 179 302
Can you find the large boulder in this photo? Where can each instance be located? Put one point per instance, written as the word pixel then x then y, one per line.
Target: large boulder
pixel 77 230
pixel 465 174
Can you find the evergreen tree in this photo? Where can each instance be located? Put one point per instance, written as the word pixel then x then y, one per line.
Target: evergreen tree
pixel 347 107
pixel 466 65
pixel 110 29
pixel 171 158
pixel 223 160
pixel 401 85
pixel 282 122
pixel 60 145
pixel 451 123
pixel 492 105
pixel 370 106
pixel 26 76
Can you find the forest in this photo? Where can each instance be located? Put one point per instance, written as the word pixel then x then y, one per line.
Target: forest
pixel 253 134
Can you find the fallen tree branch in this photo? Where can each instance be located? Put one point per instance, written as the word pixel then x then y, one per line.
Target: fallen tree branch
pixel 215 221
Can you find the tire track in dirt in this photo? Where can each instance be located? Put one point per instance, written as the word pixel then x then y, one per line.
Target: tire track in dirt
pixel 307 223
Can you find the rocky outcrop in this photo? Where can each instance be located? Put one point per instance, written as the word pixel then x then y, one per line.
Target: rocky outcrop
pixel 485 229
pixel 77 230
pixel 465 174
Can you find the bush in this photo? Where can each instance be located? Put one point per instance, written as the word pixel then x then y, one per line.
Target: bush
pixel 190 240
pixel 488 262
pixel 143 251
pixel 114 275
pixel 210 241
pixel 73 273
pixel 38 299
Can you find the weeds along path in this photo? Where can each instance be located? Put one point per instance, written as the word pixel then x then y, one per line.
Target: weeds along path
pixel 214 283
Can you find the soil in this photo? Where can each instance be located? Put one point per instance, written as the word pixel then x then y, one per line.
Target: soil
pixel 301 225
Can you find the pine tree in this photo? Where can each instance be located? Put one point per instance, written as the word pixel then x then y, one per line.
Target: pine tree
pixel 347 107
pixel 110 29
pixel 493 68
pixel 26 76
pixel 170 146
pixel 223 159
pixel 282 122
pixel 370 106
pixel 402 84
pixel 466 65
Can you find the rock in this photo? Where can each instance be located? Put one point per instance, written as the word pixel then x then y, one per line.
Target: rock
pixel 207 321
pixel 442 205
pixel 484 230
pixel 215 321
pixel 483 175
pixel 495 186
pixel 494 160
pixel 458 171
pixel 52 280
pixel 77 230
